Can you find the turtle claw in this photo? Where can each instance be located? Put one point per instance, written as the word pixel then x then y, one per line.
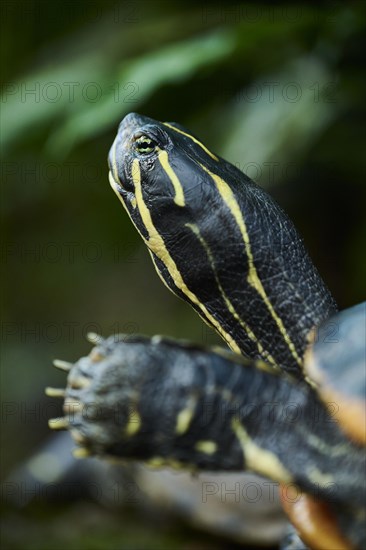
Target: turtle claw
pixel 95 356
pixel 72 405
pixel 55 392
pixel 61 423
pixel 62 365
pixel 94 338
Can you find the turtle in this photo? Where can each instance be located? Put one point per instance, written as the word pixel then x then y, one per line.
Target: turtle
pixel 284 399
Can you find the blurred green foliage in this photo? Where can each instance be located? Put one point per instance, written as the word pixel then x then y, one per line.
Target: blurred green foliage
pixel 276 89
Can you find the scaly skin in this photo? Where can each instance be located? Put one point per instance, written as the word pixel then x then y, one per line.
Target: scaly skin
pixel 227 248
pixel 167 403
pixel 222 244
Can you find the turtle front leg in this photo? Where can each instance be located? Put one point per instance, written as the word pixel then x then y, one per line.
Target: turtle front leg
pixel 152 400
pixel 170 403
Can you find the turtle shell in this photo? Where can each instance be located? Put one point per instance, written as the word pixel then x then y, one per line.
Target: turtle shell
pixel 337 363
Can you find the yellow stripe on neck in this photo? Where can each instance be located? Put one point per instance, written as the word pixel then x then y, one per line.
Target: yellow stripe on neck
pixel 253 278
pixel 228 303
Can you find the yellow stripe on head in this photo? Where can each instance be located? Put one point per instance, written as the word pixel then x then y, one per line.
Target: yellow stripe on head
pixel 164 161
pixel 193 139
pixel 114 162
pixel 157 245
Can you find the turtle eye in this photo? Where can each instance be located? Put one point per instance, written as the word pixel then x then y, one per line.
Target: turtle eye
pixel 145 145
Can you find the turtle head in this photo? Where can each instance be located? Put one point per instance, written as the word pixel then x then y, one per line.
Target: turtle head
pixel 156 171
pixel 161 174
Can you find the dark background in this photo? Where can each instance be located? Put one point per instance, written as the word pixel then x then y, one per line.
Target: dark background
pixel 277 89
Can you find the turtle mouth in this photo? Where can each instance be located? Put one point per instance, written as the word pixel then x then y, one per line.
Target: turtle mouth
pixel 119 151
pixel 116 185
pixel 118 179
pixel 126 197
